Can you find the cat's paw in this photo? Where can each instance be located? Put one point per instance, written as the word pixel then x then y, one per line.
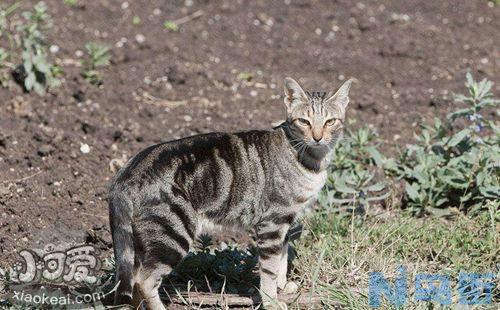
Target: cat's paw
pixel 290 288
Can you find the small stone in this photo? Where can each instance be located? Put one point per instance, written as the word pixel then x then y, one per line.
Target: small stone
pixel 253 93
pixel 45 150
pixel 187 118
pixel 140 38
pixel 54 49
pixel 4 190
pixel 84 148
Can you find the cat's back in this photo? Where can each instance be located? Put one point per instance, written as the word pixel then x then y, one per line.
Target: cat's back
pixel 199 154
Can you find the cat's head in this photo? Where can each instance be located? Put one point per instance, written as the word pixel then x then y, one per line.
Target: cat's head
pixel 316 118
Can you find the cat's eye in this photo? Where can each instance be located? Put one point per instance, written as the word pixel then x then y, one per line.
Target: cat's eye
pixel 303 121
pixel 330 122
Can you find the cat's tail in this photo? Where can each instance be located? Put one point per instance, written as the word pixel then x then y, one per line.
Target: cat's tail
pixel 120 217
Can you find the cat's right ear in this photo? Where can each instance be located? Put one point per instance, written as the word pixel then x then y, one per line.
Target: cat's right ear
pixel 294 94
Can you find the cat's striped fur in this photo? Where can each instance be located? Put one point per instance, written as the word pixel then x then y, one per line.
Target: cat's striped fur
pixel 261 179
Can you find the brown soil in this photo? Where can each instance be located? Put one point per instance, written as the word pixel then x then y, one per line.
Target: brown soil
pixel 407 58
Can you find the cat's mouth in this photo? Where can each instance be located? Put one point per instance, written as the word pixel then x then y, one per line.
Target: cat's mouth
pixel 318 144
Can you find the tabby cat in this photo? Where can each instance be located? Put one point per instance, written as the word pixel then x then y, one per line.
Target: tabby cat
pixel 260 179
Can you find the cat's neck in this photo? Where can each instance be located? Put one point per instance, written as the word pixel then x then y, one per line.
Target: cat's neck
pixel 312 158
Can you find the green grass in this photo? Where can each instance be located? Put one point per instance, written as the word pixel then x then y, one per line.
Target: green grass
pixel 336 255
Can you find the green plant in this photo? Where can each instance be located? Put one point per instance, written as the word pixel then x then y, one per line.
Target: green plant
pixel 170 25
pixel 4 30
pixel 230 269
pixel 36 68
pixel 97 56
pixel 3 58
pixel 136 20
pixel 4 25
pixel 245 76
pixel 455 162
pixel 3 21
pixel 351 175
pixel 71 2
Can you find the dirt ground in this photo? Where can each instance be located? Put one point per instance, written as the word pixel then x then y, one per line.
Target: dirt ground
pixel 407 58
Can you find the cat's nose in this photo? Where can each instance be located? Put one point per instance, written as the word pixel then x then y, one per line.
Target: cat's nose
pixel 317 139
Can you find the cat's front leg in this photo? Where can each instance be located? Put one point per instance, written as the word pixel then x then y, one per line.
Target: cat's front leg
pixel 272 246
pixel 283 266
pixel 285 286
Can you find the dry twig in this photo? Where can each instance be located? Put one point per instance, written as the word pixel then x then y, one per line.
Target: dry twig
pixel 235 300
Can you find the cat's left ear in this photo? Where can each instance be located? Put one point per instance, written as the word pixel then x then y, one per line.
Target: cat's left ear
pixel 341 97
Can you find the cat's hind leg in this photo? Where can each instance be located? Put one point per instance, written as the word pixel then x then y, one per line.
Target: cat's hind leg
pixel 147 288
pixel 166 231
pixel 161 256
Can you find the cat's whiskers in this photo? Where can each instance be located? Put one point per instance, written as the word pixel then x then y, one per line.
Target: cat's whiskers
pixel 296 140
pixel 298 146
pixel 304 148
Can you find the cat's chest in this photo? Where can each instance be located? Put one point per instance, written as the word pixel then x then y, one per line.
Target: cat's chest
pixel 312 183
pixel 307 188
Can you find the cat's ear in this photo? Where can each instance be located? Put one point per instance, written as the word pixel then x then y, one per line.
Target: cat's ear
pixel 294 94
pixel 341 97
